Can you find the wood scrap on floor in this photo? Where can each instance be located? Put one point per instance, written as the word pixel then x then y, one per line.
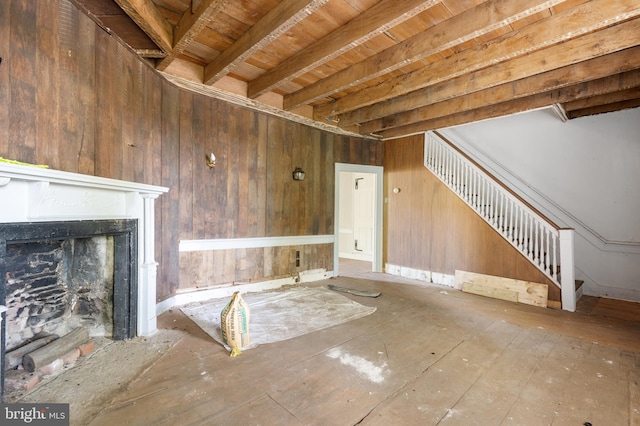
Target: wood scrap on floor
pixel 363 293
pixel 518 291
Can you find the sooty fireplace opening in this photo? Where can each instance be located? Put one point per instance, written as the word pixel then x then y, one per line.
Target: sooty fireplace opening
pixel 55 286
pixel 55 276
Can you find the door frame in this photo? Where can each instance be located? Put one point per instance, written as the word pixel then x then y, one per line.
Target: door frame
pixel 377 214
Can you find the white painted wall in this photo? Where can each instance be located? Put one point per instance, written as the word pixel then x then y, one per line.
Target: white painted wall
pixel 583 174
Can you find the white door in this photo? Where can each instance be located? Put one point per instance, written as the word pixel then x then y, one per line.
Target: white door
pixel 357 195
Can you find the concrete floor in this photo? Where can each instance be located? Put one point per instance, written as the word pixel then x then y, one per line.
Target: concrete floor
pixel 428 356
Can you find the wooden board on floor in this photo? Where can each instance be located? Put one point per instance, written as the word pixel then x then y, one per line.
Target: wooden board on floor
pixel 526 292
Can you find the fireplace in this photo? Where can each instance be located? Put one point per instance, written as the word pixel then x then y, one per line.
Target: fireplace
pixel 47 213
pixel 49 280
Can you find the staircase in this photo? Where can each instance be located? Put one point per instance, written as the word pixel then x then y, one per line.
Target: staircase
pixel 544 244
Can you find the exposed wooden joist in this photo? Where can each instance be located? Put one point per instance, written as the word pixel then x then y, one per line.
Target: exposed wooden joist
pixel 606 99
pixel 567 25
pixel 147 16
pixel 193 22
pixel 601 109
pixel 150 53
pixel 599 67
pixel 275 23
pixel 601 86
pixel 459 29
pixel 374 21
pixel 563 55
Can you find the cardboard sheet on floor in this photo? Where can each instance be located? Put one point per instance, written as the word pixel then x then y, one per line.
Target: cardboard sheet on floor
pixel 282 315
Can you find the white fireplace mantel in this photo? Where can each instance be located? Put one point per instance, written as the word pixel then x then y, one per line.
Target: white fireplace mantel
pixel 34 194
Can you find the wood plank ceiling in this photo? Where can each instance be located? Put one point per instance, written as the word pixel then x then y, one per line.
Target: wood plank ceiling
pixel 389 68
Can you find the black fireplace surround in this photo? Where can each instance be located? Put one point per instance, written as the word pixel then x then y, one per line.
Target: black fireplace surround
pixel 125 267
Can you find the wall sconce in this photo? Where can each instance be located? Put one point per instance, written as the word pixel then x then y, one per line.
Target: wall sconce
pixel 211 160
pixel 298 174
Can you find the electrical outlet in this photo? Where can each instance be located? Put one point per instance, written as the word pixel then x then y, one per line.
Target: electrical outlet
pixel 297 258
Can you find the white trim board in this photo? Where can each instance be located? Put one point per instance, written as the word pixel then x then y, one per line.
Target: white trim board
pixel 258 242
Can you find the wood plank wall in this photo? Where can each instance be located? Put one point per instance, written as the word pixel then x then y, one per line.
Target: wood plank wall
pixel 74 98
pixel 427 227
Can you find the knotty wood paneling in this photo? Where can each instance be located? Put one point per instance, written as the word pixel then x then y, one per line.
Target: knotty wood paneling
pixel 429 228
pixel 76 99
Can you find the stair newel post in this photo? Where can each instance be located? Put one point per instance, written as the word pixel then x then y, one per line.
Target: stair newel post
pixel 568 282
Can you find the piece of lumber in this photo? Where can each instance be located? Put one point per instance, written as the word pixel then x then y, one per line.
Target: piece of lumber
pixel 488 291
pixel 14 358
pixel 54 350
pixel 355 292
pixel 529 293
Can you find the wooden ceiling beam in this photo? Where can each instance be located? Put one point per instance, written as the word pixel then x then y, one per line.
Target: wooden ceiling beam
pixel 592 69
pixel 577 25
pixel 482 19
pixel 605 85
pixel 606 99
pixel 601 109
pixel 372 22
pixel 565 54
pixel 147 16
pixel 191 24
pixel 272 25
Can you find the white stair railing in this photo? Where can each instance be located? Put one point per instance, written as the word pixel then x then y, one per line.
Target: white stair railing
pixel 539 240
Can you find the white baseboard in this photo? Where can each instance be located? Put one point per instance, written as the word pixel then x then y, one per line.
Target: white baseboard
pixel 200 295
pixel 357 256
pixel 420 275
